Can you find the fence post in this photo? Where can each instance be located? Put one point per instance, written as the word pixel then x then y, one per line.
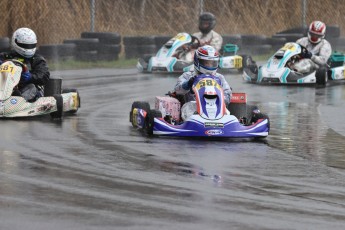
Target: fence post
pixel 304 12
pixel 92 29
pixel 201 6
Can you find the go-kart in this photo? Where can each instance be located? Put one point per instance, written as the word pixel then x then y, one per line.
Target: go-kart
pixel 280 68
pixel 210 118
pixel 176 56
pixel 67 100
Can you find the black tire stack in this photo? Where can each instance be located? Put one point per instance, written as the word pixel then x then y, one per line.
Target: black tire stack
pixel 92 46
pixel 109 44
pixel 58 52
pixel 254 44
pixel 139 46
pixel 4 44
pixel 85 48
pixel 290 35
pixel 160 40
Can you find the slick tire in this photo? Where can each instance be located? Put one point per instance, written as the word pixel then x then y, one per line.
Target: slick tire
pixel 149 121
pixel 321 76
pixel 72 91
pixel 139 105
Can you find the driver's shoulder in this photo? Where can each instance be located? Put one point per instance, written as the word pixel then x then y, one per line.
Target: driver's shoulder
pixel 326 43
pixel 219 75
pixel 214 33
pixel 187 74
pixel 302 41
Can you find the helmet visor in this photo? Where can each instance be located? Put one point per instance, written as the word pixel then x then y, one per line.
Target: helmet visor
pixel 209 64
pixel 315 37
pixel 25 46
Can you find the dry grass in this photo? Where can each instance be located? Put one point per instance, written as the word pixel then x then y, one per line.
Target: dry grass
pixel 55 21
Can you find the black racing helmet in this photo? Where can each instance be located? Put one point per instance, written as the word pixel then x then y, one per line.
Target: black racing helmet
pixel 207 21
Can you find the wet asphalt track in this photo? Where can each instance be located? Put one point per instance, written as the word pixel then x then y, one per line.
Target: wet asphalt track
pixel 94 171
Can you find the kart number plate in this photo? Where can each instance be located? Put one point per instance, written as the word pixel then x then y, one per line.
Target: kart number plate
pixel 7 68
pixel 180 37
pixel 207 82
pixel 238 62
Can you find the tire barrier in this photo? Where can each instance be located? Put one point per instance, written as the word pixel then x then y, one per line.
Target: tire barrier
pixel 86 48
pixel 4 44
pixel 59 52
pixel 94 46
pixel 139 46
pixel 160 40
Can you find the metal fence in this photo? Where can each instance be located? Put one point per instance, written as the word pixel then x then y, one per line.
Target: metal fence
pixel 56 21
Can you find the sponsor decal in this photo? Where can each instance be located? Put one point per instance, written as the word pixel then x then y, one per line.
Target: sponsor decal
pixel 214 132
pixel 138 120
pixel 44 108
pixel 13 101
pixel 213 124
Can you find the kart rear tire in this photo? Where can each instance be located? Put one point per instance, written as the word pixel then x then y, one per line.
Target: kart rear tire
pixel 244 112
pixel 321 76
pixel 53 86
pixel 248 62
pixel 139 105
pixel 249 113
pixel 149 121
pixel 72 91
pixel 59 104
pixel 239 110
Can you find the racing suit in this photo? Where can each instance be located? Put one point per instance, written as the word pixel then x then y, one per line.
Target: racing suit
pixel 212 38
pixel 40 75
pixel 190 107
pixel 321 53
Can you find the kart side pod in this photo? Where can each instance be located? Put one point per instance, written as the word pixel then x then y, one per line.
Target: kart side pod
pixel 168 106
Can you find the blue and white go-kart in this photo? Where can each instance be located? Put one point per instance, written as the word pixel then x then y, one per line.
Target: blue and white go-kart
pixel 211 118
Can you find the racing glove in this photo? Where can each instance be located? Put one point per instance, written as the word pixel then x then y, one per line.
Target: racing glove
pixel 187 85
pixel 307 54
pixel 25 77
pixel 227 100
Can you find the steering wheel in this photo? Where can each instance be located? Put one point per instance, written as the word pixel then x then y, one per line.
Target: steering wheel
pixel 195 43
pixel 304 50
pixel 18 63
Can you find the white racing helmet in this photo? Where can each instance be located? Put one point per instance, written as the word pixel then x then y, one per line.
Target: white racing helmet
pixel 317 31
pixel 206 60
pixel 24 42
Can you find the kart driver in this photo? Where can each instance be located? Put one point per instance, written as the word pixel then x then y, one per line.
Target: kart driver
pixel 318 48
pixel 206 60
pixel 36 75
pixel 207 36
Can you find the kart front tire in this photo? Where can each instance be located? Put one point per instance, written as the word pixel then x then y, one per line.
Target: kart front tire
pixel 321 76
pixel 149 121
pixel 72 91
pixel 138 105
pixel 247 62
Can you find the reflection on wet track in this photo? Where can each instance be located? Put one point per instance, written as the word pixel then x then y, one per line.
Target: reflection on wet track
pixel 94 171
